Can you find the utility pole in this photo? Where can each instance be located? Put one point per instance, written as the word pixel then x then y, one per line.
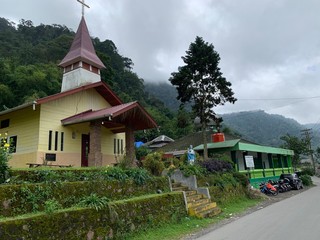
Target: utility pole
pixel 307 134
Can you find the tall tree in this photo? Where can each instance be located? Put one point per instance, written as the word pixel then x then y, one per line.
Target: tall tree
pixel 201 82
pixel 299 146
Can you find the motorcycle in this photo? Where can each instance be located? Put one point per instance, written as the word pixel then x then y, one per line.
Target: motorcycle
pixel 284 186
pixel 268 188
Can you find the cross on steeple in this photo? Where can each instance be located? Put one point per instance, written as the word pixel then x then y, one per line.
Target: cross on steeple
pixel 83 5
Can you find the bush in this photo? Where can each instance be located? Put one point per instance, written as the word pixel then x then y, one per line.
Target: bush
pixel 153 163
pixel 94 201
pixel 308 171
pixel 241 178
pixel 51 205
pixel 214 166
pixel 195 169
pixel 4 157
pixel 306 180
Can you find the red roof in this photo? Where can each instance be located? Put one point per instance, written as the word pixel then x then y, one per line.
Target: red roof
pixel 82 49
pixel 116 118
pixel 100 87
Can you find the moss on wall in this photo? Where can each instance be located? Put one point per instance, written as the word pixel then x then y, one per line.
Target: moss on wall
pixel 26 198
pixel 113 222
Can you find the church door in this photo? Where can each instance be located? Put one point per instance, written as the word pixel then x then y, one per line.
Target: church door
pixel 85 149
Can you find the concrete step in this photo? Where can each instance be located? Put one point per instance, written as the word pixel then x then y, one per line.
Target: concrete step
pixel 203 207
pixel 210 213
pixel 198 202
pixel 181 188
pixel 176 184
pixel 191 192
pixel 206 212
pixel 193 198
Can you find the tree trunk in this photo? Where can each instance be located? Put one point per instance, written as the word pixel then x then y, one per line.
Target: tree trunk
pixel 204 140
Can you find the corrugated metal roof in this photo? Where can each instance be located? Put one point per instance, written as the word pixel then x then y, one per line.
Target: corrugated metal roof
pixel 225 144
pixel 116 118
pixel 237 145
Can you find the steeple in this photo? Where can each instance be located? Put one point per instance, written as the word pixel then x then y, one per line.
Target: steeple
pixel 81 64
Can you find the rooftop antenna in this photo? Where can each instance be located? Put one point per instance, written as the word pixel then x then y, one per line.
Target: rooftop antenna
pixel 82 2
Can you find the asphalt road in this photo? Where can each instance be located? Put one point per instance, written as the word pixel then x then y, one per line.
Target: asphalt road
pixel 295 218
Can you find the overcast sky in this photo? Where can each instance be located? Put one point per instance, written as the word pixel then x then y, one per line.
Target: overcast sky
pixel 270 50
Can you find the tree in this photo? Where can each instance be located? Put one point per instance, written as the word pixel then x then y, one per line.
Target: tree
pixel 200 81
pixel 299 146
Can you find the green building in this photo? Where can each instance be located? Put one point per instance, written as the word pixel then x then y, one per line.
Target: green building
pixel 258 162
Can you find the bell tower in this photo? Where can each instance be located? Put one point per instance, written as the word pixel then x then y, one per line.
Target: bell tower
pixel 81 65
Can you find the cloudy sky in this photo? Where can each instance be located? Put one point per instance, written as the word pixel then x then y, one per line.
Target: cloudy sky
pixel 270 50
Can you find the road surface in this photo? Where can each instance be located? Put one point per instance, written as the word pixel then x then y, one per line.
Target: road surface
pixel 295 218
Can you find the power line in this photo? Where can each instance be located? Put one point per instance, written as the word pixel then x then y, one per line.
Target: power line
pixel 276 99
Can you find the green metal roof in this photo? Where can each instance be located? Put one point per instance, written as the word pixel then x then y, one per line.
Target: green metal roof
pixel 233 145
pixel 225 144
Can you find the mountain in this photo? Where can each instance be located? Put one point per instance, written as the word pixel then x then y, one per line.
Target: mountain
pixel 256 126
pixel 266 129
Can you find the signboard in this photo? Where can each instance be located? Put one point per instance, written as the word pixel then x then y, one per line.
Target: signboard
pixel 249 161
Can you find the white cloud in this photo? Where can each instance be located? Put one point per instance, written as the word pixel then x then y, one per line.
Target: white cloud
pixel 268 49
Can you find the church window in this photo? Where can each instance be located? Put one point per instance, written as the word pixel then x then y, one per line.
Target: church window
pixel 61 141
pixel 56 141
pixel 50 140
pixel 5 123
pixel 13 144
pixel 121 146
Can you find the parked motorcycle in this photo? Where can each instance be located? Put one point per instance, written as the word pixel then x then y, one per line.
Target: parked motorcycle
pixel 268 188
pixel 284 186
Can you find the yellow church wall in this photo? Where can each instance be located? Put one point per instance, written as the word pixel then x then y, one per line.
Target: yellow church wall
pixel 23 124
pixel 51 115
pixel 32 130
pixel 54 111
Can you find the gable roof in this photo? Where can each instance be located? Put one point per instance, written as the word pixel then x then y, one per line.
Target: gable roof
pixel 101 87
pixel 82 49
pixel 116 118
pixel 194 139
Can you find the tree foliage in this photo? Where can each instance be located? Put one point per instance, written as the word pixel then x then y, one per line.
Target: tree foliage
pixel 299 146
pixel 29 58
pixel 200 80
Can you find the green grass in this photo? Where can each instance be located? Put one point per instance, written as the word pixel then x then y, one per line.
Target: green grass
pixel 192 225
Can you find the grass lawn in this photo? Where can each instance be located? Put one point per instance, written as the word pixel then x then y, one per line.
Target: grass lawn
pixel 192 225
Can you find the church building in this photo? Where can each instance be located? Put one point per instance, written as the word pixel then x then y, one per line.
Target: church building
pixel 86 124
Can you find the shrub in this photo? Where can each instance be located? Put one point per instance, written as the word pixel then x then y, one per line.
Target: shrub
pixel 124 162
pixel 308 171
pixel 140 176
pixel 93 201
pixel 195 169
pixel 4 157
pixel 153 163
pixel 215 166
pixel 306 180
pixel 51 205
pixel 241 178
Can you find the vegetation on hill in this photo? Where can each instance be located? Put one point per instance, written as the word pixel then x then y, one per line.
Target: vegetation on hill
pixel 29 58
pixel 263 128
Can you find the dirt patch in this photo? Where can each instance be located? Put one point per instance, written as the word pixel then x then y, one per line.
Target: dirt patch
pixel 267 202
